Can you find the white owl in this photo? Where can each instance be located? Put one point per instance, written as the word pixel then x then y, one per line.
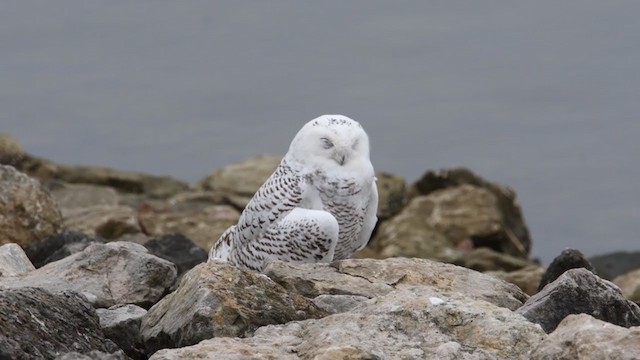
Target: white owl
pixel 318 206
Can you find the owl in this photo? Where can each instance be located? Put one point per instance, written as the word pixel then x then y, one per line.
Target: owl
pixel 319 205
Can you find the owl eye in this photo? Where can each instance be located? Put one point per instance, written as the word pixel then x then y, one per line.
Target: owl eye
pixel 326 143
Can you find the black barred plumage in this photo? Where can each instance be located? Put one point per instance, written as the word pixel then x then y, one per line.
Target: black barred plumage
pixel 319 204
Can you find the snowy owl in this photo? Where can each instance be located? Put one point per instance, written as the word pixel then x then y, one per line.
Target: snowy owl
pixel 318 206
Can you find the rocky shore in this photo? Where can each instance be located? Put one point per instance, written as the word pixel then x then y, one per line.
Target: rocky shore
pixel 97 263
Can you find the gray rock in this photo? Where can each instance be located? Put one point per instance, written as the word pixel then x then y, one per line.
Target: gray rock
pixel 582 337
pixel 609 266
pixel 218 299
pixel 372 278
pixel 107 274
pixel 178 249
pixel 94 355
pixel 58 246
pixel 334 304
pixel 29 213
pixel 106 221
pixel 580 291
pixel 411 323
pixel 71 196
pixel 13 260
pixel 568 259
pixel 527 279
pixel 121 324
pixel 38 324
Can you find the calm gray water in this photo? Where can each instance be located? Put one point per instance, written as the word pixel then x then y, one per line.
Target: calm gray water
pixel 543 95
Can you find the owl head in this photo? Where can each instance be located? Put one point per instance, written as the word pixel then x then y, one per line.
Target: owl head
pixel 331 142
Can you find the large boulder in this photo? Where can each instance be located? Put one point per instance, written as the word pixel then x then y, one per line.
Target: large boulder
pixel 38 324
pixel 218 299
pixel 568 259
pixel 527 278
pixel 408 323
pixel 580 291
pixel 629 283
pixel 72 196
pixel 12 154
pixel 178 249
pixel 121 324
pixel 106 221
pixel 27 211
pixel 372 278
pixel 583 337
pixel 107 274
pixel 59 246
pixel 13 260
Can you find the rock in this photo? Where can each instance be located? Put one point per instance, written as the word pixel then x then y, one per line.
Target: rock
pixel 409 323
pixel 203 226
pixel 107 274
pixel 334 304
pixel 124 181
pixel 179 250
pixel 513 236
pixel 27 212
pixel 581 337
pixel 527 279
pixel 580 291
pixel 94 355
pixel 372 278
pixel 72 196
pixel 58 246
pixel 13 260
pixel 218 299
pixel 609 266
pixel 121 324
pixel 630 285
pixel 568 259
pixel 38 324
pixel 238 182
pixel 12 154
pixel 392 194
pixel 485 259
pixel 106 221
pixel 9 145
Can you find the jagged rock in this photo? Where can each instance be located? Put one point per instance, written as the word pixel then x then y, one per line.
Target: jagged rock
pixel 334 304
pixel 28 211
pixel 203 226
pixel 71 196
pixel 179 250
pixel 58 246
pixel 373 278
pixel 630 285
pixel 513 236
pixel 218 299
pixel 13 260
pixel 609 266
pixel 409 323
pixel 121 324
pixel 94 355
pixel 107 274
pixel 582 337
pixel 38 324
pixel 106 221
pixel 568 259
pixel 580 291
pixel 527 278
pixel 485 259
pixel 392 194
pixel 238 182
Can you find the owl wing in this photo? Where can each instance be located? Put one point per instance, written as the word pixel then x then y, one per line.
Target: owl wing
pixel 370 217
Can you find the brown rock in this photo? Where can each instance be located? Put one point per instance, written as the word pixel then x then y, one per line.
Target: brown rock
pixel 527 278
pixel 392 194
pixel 106 221
pixel 629 283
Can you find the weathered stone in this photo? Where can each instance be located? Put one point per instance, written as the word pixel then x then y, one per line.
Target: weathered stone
pixel 238 182
pixel 392 194
pixel 485 259
pixel 372 278
pixel 609 266
pixel 125 181
pixel 218 299
pixel 513 236
pixel 94 355
pixel 121 324
pixel 411 323
pixel 107 274
pixel 582 337
pixel 37 324
pixel 338 303
pixel 27 211
pixel 12 154
pixel 580 291
pixel 58 246
pixel 179 250
pixel 568 259
pixel 630 285
pixel 203 226
pixel 13 260
pixel 106 221
pixel 527 278
pixel 71 196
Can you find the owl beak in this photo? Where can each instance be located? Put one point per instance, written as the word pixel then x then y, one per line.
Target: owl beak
pixel 340 158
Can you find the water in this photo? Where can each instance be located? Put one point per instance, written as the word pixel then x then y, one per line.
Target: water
pixel 543 96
